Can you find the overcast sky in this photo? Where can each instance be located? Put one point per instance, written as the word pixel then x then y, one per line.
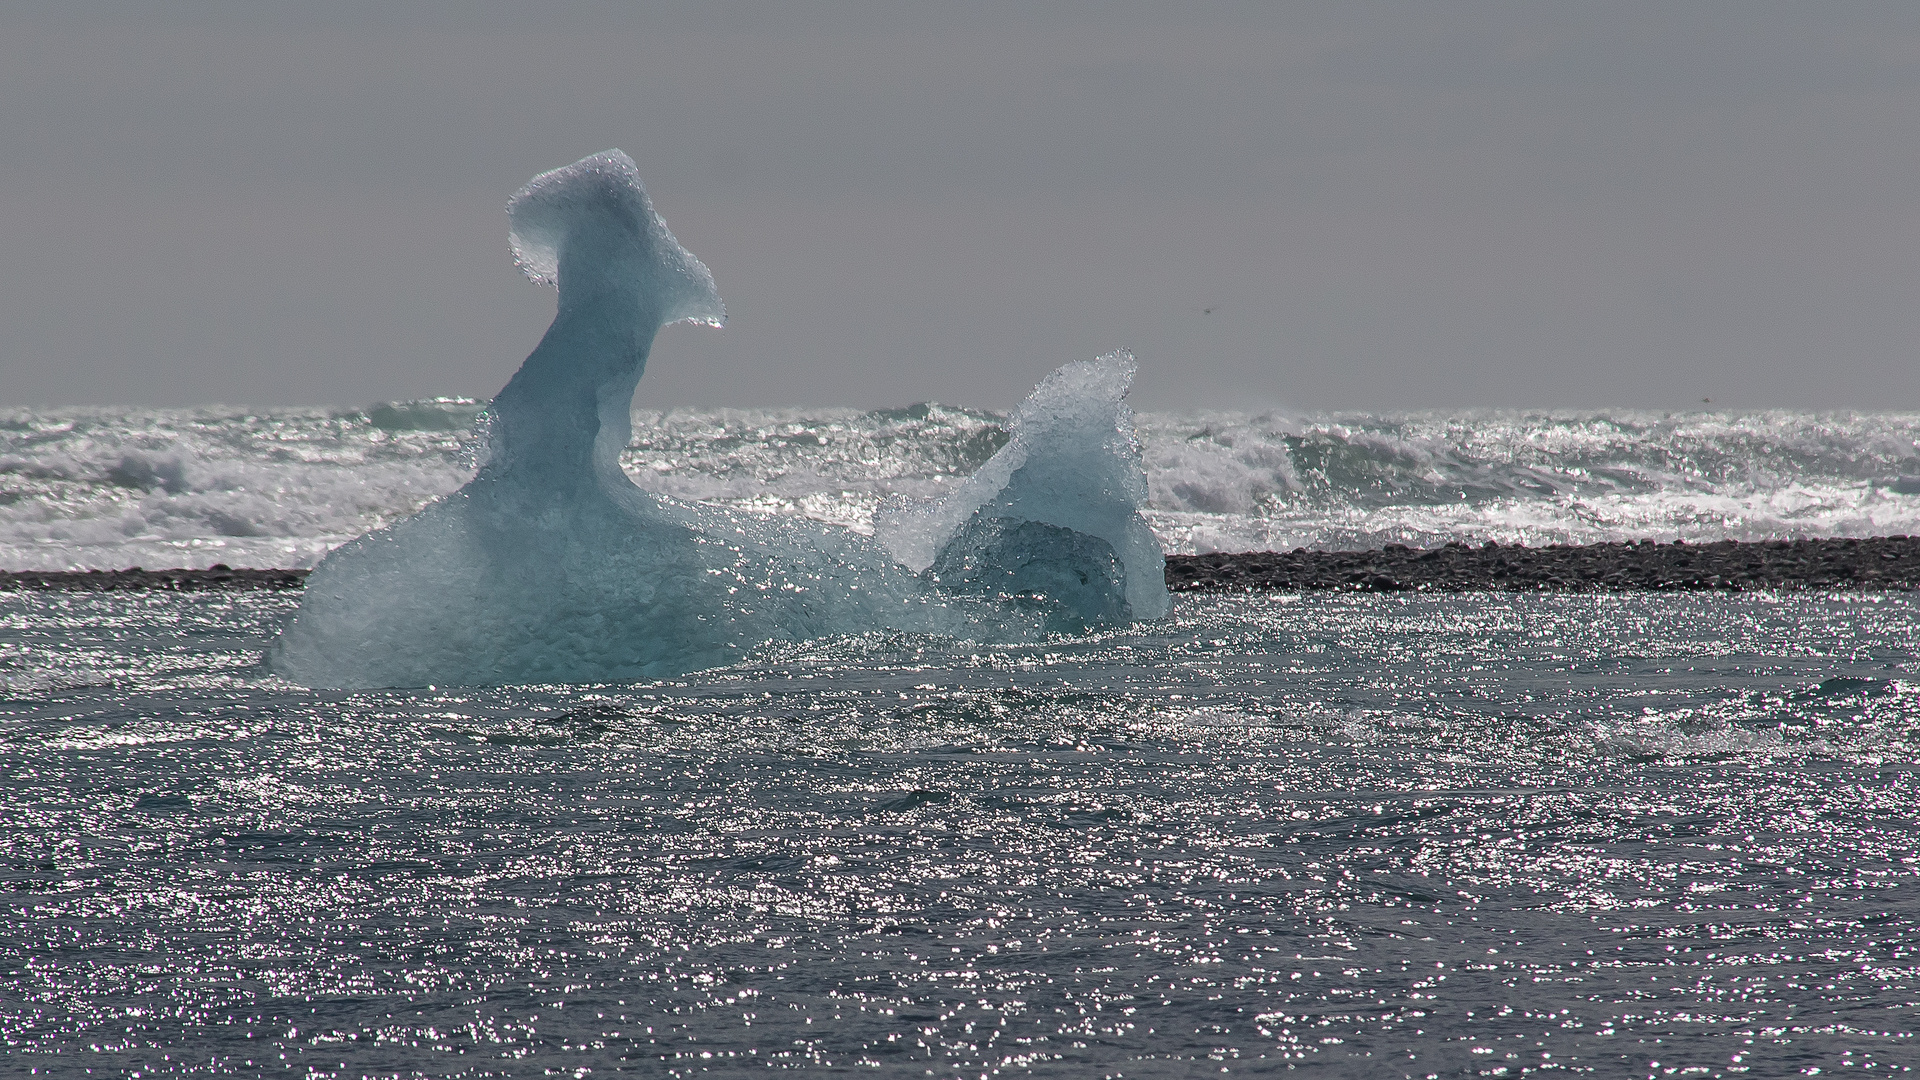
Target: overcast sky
pixel 1423 205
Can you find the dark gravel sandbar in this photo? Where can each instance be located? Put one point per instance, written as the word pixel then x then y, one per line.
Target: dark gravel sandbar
pixel 1887 562
pixel 219 576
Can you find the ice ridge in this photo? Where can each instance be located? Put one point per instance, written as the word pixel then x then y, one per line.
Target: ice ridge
pixel 552 566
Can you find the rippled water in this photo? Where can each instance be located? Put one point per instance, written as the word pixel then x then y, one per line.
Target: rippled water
pixel 1367 836
pixel 110 488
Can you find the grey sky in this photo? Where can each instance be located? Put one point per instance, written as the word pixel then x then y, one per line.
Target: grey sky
pixel 1385 205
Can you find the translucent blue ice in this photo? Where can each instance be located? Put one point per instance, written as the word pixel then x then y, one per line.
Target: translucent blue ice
pixel 551 566
pixel 1055 512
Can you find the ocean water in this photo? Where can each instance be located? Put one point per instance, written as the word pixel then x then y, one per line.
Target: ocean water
pixel 111 488
pixel 1348 835
pixel 1345 835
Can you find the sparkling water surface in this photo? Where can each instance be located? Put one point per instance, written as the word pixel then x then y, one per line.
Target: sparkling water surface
pixel 107 488
pixel 1366 836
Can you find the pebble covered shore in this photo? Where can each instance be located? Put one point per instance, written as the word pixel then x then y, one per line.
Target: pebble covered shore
pixel 1886 562
pixel 218 576
pixel 1889 562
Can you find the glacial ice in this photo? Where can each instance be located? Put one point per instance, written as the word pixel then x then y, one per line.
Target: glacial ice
pixel 1056 511
pixel 551 566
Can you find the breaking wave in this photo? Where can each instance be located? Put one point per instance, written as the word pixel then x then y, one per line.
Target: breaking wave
pixel 109 488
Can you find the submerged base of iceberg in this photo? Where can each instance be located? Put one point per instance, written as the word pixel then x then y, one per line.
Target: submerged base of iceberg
pixel 1031 559
pixel 480 589
pixel 552 566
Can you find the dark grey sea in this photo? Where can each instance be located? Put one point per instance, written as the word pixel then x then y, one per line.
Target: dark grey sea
pixel 1338 835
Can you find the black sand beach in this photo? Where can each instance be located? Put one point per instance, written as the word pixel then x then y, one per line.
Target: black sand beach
pixel 218 576
pixel 1876 563
pixel 1891 562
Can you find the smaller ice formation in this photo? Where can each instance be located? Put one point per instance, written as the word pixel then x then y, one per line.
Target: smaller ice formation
pixel 551 566
pixel 1055 513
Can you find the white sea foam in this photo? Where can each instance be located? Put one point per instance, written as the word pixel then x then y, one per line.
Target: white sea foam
pixel 109 488
pixel 1226 482
pixel 106 488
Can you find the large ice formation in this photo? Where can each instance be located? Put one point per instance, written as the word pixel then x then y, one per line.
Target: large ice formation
pixel 551 566
pixel 1056 512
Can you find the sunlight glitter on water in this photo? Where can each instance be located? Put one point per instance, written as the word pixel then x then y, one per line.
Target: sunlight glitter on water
pixel 1375 836
pixel 111 488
